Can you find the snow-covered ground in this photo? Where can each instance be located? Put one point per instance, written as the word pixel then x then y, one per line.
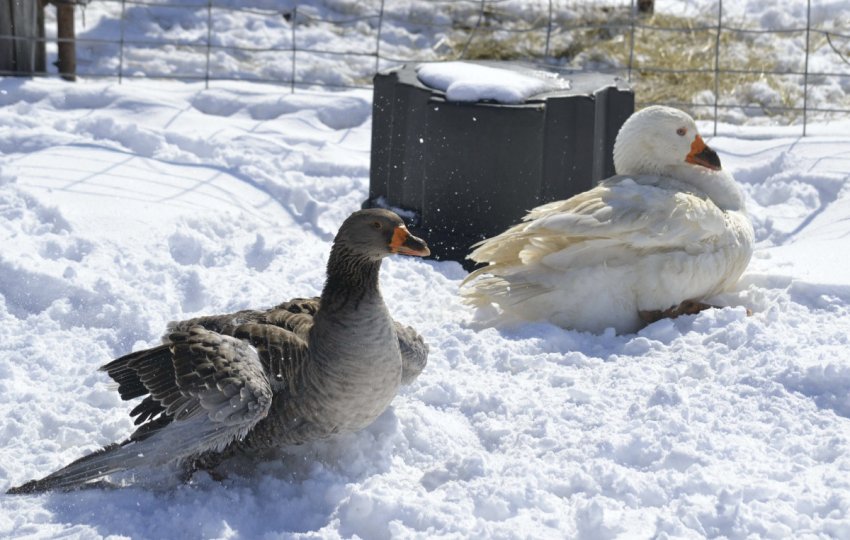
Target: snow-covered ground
pixel 125 206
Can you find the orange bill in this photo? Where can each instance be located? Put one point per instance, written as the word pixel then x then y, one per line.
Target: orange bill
pixel 702 155
pixel 405 243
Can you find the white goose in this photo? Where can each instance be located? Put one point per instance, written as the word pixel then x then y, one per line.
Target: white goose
pixel 668 231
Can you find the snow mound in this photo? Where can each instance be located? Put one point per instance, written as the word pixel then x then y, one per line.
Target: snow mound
pixel 463 81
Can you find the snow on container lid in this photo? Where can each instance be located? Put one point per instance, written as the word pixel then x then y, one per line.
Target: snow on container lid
pixel 465 81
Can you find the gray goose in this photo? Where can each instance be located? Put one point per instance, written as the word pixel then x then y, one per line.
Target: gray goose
pixel 249 381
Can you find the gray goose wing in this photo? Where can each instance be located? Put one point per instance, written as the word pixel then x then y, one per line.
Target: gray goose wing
pixel 220 385
pixel 218 376
pixel 204 391
pixel 151 373
pixel 306 306
pixel 414 352
pixel 297 316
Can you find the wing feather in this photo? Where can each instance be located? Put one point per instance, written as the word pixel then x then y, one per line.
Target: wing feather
pixel 222 374
pixel 203 389
pixel 414 352
pixel 620 216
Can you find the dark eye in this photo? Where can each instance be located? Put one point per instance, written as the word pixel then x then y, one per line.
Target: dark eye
pixel 376 224
pixel 681 132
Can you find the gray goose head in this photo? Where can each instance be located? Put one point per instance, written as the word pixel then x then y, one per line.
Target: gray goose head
pixel 375 233
pixel 363 240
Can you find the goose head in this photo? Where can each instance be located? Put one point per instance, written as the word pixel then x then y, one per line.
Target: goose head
pixel 376 233
pixel 665 141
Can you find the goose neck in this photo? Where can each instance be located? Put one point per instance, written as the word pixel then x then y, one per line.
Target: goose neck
pixel 351 279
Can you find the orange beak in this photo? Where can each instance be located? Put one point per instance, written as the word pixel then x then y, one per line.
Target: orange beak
pixel 702 155
pixel 405 243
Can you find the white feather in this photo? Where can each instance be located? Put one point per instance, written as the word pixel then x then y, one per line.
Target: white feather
pixel 660 232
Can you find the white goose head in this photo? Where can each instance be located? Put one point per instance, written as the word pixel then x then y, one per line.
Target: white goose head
pixel 665 141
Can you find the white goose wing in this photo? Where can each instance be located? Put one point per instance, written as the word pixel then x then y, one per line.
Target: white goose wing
pixel 611 223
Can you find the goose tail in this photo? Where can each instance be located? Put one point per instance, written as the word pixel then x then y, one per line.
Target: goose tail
pixel 95 466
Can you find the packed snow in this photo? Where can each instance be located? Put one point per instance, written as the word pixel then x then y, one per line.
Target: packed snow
pixel 123 207
pixel 463 81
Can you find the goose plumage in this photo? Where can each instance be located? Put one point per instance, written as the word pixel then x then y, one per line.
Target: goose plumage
pixel 253 380
pixel 671 226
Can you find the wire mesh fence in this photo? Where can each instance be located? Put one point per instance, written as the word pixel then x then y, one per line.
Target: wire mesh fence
pixel 717 69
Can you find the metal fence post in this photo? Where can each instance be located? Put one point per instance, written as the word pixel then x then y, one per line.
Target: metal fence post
pixel 806 67
pixel 121 43
pixel 717 61
pixel 209 44
pixel 294 48
pixel 378 39
pixel 633 15
pixel 548 32
pixel 41 46
pixel 474 29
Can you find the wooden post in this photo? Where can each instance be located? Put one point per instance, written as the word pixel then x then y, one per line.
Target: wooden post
pixel 67 63
pixel 19 21
pixel 7 45
pixel 41 46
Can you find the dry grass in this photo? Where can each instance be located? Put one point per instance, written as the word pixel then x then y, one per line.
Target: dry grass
pixel 676 43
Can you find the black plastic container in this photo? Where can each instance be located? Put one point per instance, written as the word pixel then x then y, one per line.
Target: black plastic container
pixel 467 171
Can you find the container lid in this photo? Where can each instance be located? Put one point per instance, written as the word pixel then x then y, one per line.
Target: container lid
pixel 495 82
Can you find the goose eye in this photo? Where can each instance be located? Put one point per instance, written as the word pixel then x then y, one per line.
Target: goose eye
pixel 376 224
pixel 681 132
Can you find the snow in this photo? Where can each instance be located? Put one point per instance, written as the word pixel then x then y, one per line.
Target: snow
pixel 463 81
pixel 125 206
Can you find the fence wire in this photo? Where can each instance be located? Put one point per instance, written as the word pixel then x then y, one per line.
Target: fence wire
pixel 473 22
